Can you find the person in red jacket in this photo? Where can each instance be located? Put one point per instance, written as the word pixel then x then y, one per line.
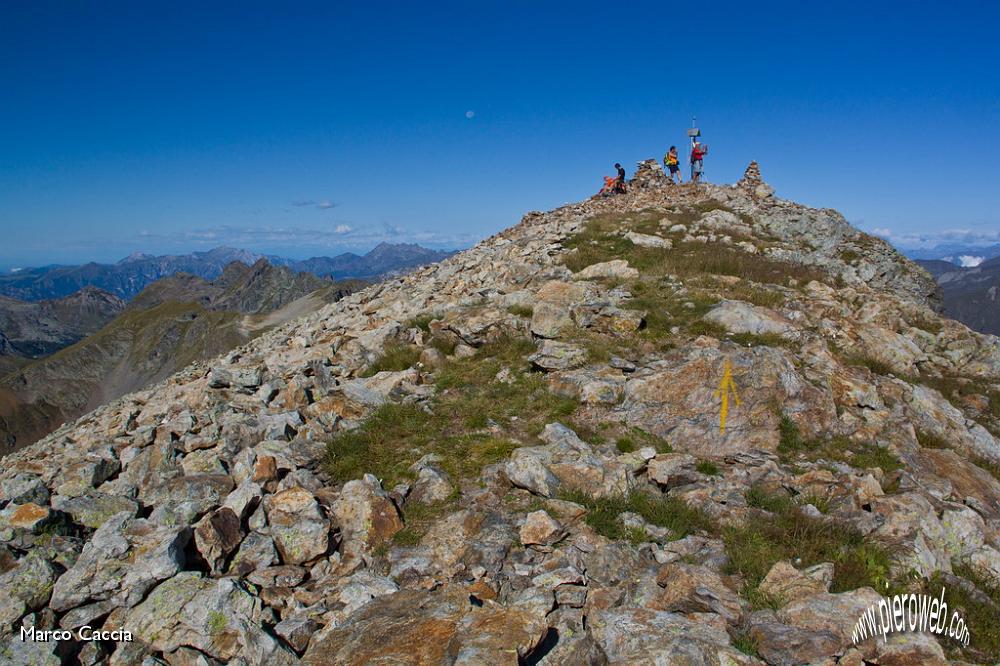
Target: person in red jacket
pixel 698 153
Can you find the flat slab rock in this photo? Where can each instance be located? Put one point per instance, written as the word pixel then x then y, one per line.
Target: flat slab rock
pixel 439 627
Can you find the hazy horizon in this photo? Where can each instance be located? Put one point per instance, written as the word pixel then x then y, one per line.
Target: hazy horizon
pixel 290 253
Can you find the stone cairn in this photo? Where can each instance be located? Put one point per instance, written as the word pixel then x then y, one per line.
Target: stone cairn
pixel 753 184
pixel 648 174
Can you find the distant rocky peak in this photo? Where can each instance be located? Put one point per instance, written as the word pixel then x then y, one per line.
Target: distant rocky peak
pixel 135 256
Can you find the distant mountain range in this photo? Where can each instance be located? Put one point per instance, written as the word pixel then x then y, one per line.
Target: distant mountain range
pixel 959 254
pixel 171 323
pixel 126 278
pixel 971 295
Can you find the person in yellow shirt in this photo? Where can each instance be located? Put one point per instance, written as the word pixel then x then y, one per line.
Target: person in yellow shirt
pixel 672 164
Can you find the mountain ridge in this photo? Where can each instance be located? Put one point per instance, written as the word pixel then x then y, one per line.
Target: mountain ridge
pixel 171 323
pixel 127 277
pixel 969 293
pixel 518 451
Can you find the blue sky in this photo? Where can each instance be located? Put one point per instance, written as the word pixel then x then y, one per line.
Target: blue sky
pixel 312 128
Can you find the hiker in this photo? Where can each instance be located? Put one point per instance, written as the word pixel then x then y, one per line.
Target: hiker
pixel 609 186
pixel 672 164
pixel 620 183
pixel 698 152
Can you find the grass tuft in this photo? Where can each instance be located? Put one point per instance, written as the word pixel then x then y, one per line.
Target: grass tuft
pixel 929 440
pixel 873 364
pixel 759 339
pixel 988 466
pixel 760 498
pixel 789 438
pixel 979 607
pixel 395 357
pixel 637 438
pixel 444 344
pixel 418 518
pixel 664 511
pixel 707 467
pixel 423 322
pixel 521 310
pixel 745 643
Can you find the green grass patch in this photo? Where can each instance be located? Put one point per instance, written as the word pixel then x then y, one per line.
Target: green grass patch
pixel 216 623
pixel 848 256
pixel 861 455
pixel 444 344
pixel 870 455
pixel 789 438
pixel 473 420
pixel 821 502
pixel 423 322
pixel 929 440
pixel 709 328
pixel 788 534
pixel 873 364
pixel 745 643
pixel 637 438
pixel 665 310
pixel 662 510
pixel 395 357
pixel 626 445
pixel 760 498
pixel 980 608
pixel 751 293
pixel 707 467
pixel 521 310
pixel 987 465
pixel 419 517
pixel 759 339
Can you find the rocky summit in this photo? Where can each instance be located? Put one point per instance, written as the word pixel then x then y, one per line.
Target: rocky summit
pixel 693 425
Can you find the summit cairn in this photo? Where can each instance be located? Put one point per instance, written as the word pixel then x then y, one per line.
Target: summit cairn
pixel 648 175
pixel 753 184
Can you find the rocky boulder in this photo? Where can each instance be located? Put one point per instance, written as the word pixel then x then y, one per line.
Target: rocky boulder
pixel 300 530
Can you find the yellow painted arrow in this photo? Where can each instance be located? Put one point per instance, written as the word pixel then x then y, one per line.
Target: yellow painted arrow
pixel 725 386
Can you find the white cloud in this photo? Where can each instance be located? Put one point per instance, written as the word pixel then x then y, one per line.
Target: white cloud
pixel 929 239
pixel 969 261
pixel 343 229
pixel 325 204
